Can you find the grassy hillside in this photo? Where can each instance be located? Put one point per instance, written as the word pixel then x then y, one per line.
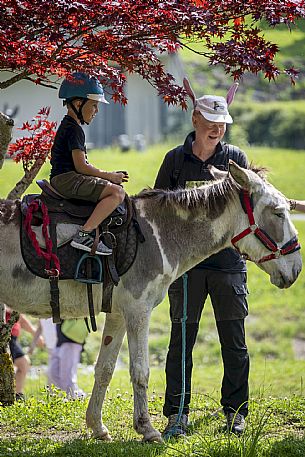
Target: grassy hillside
pixel 291 43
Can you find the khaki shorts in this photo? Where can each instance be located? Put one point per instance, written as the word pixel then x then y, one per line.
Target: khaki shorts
pixel 76 185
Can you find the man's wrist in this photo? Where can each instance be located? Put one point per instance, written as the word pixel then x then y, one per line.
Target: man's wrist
pixel 292 204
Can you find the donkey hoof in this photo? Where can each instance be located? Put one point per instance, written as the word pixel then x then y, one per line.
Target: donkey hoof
pixel 153 437
pixel 102 434
pixel 105 437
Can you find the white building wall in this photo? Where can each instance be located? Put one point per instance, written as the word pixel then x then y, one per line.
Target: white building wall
pixel 143 110
pixel 30 99
pixel 142 113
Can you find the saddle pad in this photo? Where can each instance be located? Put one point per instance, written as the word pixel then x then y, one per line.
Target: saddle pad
pixel 69 257
pixel 64 232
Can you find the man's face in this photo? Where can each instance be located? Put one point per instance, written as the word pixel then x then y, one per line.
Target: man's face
pixel 89 110
pixel 210 132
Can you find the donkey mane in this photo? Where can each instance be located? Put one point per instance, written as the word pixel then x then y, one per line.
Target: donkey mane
pixel 213 197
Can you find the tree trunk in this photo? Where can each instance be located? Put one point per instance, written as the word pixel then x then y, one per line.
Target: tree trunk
pixel 26 180
pixel 6 126
pixel 7 380
pixel 7 373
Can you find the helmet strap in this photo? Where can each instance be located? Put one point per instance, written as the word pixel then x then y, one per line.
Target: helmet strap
pixel 78 112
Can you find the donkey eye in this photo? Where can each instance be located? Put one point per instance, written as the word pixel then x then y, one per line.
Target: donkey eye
pixel 280 215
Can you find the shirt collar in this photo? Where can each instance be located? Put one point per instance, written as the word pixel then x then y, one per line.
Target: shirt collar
pixel 188 149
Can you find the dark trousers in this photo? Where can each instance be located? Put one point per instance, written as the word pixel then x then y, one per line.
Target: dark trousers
pixel 228 295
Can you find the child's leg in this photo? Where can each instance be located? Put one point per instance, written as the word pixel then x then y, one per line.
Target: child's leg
pixel 23 365
pixel 110 198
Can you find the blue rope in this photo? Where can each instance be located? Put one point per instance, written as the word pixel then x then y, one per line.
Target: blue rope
pixel 173 429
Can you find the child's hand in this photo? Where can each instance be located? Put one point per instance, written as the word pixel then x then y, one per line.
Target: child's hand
pixel 119 176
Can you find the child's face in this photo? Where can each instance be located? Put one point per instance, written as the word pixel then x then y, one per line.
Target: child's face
pixel 90 109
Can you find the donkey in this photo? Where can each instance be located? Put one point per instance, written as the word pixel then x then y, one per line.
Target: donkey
pixel 181 228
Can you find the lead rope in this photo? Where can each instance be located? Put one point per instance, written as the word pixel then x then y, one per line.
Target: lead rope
pixel 171 432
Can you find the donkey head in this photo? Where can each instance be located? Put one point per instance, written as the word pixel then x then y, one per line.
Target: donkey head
pixel 266 234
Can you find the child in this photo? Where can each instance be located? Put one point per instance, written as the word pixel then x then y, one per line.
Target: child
pixel 71 337
pixel 71 174
pixel 21 361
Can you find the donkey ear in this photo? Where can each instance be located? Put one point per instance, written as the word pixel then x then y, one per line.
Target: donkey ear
pixel 231 93
pixel 189 90
pixel 239 175
pixel 216 173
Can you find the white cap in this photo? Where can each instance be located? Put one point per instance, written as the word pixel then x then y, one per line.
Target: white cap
pixel 213 108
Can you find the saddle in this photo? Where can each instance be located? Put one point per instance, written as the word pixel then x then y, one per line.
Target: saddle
pixel 120 231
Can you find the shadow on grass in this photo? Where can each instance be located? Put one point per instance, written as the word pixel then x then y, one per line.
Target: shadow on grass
pixel 289 447
pixel 78 448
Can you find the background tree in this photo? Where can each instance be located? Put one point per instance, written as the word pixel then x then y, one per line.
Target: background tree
pixel 109 39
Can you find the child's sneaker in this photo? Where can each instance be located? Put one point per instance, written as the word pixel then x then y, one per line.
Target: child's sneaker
pixel 84 241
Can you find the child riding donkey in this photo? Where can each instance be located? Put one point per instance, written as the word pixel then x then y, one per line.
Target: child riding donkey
pixel 71 174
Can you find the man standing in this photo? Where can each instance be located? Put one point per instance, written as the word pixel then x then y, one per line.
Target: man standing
pixel 222 276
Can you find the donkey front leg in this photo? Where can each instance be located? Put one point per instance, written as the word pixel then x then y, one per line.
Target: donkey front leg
pixel 113 334
pixel 137 332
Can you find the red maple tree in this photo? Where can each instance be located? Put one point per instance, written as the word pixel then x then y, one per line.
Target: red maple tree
pixel 28 149
pixel 110 39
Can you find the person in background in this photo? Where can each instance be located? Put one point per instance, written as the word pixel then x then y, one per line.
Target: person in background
pixel 71 337
pixel 222 276
pixel 297 205
pixel 21 361
pixel 47 329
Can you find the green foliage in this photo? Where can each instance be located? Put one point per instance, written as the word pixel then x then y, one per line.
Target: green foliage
pixel 276 124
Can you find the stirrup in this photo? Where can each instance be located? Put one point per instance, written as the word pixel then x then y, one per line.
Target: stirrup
pixel 96 267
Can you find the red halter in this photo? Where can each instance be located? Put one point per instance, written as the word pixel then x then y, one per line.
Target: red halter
pixel 291 246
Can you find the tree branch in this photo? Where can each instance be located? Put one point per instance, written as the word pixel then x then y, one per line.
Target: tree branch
pixel 13 80
pixel 26 180
pixel 39 83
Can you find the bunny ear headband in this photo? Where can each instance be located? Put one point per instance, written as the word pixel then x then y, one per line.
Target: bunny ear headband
pixel 212 107
pixel 229 98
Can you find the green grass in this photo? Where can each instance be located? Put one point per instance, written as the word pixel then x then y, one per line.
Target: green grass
pixel 291 43
pixel 52 426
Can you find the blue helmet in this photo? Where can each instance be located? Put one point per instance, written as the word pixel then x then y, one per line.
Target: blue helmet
pixel 83 86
